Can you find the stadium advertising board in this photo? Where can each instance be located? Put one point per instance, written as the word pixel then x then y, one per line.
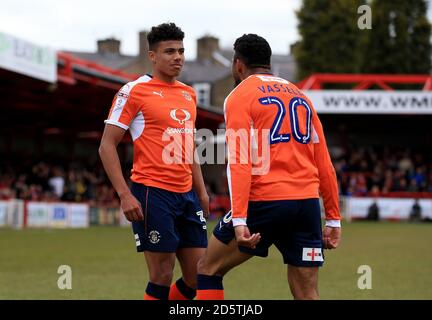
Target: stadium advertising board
pixel 27 58
pixel 371 101
pixel 388 208
pixel 38 214
pixel 3 213
pixel 12 213
pixel 58 215
pixel 79 215
pixel 123 221
pixel 44 214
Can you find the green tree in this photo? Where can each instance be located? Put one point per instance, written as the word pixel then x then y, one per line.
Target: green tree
pixel 400 38
pixel 330 38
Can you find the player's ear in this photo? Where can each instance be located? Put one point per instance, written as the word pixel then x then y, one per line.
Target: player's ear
pixel 236 64
pixel 152 56
pixel 241 67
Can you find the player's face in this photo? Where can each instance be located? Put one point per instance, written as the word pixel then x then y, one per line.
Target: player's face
pixel 168 57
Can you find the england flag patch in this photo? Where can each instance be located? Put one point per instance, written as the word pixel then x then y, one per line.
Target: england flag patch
pixel 312 254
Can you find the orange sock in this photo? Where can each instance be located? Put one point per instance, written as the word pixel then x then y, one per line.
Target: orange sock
pixel 210 287
pixel 181 291
pixel 149 297
pixel 210 295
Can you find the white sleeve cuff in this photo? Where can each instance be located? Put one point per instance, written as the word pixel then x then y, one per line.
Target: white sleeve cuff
pixel 333 223
pixel 239 222
pixel 116 123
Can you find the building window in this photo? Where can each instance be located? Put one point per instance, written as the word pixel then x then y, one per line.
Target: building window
pixel 203 94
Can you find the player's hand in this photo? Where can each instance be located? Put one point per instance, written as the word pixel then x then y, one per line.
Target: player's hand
pixel 205 204
pixel 244 238
pixel 331 237
pixel 131 207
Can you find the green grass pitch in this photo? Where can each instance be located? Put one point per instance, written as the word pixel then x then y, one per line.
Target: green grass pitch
pixel 105 265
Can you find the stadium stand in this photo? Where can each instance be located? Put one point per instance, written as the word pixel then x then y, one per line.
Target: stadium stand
pixel 50 132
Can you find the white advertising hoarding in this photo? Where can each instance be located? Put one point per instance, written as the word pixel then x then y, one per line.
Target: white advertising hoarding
pixel 58 215
pixel 123 221
pixel 38 214
pixel 371 101
pixel 27 58
pixel 389 208
pixel 3 213
pixel 79 215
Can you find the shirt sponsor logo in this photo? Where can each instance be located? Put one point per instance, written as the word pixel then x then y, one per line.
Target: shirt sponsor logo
pixel 170 130
pixel 180 117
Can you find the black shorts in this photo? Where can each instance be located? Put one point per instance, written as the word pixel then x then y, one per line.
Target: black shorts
pixel 293 226
pixel 171 220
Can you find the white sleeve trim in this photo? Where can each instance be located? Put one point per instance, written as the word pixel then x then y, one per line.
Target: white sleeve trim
pixel 333 223
pixel 239 222
pixel 116 123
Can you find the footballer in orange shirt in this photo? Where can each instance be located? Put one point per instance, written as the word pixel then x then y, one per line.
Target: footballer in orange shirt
pixel 278 163
pixel 167 214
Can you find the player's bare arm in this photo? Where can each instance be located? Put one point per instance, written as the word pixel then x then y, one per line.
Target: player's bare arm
pixel 111 137
pixel 328 186
pixel 199 186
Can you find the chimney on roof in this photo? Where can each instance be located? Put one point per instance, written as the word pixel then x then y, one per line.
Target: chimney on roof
pixel 143 44
pixel 109 45
pixel 207 45
pixel 143 51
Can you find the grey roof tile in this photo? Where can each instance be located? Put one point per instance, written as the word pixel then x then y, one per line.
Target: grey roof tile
pixel 110 60
pixel 194 71
pixel 203 71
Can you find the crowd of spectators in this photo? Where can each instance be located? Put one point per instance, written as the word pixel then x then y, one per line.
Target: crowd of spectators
pixel 44 181
pixel 360 172
pixel 369 171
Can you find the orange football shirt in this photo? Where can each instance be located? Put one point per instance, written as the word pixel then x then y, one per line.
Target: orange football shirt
pixel 161 120
pixel 274 118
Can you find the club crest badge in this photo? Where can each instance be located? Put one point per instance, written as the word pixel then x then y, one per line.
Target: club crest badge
pixel 186 95
pixel 154 236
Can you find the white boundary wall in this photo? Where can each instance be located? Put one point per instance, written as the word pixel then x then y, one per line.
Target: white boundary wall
pixel 12 213
pixel 389 208
pixel 77 215
pixel 44 214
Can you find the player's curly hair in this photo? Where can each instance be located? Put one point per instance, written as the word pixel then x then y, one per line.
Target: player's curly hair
pixel 253 50
pixel 164 32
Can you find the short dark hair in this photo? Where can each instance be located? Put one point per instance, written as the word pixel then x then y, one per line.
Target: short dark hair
pixel 164 32
pixel 253 50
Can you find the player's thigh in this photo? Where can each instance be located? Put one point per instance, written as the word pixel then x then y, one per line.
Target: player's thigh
pixel 160 264
pixel 219 257
pixel 302 280
pixel 188 259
